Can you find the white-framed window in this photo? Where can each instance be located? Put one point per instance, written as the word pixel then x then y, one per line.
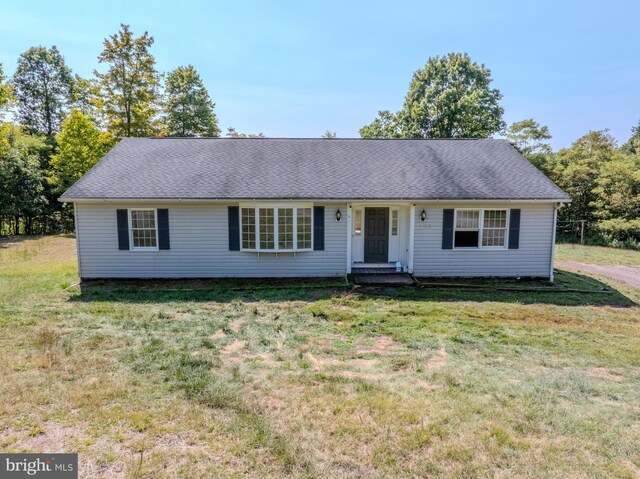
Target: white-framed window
pixel 143 229
pixel 357 222
pixel 280 228
pixel 480 228
pixel 394 222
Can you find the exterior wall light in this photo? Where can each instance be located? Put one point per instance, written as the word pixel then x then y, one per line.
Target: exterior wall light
pixel 423 216
pixel 338 215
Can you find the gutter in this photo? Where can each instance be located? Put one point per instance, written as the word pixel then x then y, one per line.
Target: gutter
pixel 319 200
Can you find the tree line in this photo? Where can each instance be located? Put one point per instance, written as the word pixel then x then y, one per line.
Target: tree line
pixel 452 97
pixel 63 124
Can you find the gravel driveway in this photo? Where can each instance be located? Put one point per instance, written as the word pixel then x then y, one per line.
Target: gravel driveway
pixel 626 274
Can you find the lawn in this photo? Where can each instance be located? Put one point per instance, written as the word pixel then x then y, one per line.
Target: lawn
pixel 220 379
pixel 597 255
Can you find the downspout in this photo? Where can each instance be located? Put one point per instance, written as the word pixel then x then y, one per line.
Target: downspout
pixel 556 206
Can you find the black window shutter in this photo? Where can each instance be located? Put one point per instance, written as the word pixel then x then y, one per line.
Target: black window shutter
pixel 234 228
pixel 123 229
pixel 447 229
pixel 163 228
pixel 514 229
pixel 318 228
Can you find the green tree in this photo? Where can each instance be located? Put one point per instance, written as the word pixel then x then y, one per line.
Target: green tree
pixel 21 178
pixel 84 94
pixel 6 93
pixel 531 139
pixel 80 146
pixel 232 133
pixel 42 85
pixel 632 146
pixel 189 108
pixel 129 90
pixel 330 135
pixel 617 197
pixel 450 97
pixel 386 125
pixel 577 169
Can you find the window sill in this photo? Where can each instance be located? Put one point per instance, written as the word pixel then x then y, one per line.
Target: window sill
pixel 273 251
pixel 480 248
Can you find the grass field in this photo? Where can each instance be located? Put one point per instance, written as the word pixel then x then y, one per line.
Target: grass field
pixel 219 380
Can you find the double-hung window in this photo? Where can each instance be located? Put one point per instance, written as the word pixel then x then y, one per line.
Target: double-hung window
pixel 276 228
pixel 484 229
pixel 143 229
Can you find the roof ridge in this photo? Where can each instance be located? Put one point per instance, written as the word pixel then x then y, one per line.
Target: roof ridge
pixel 305 138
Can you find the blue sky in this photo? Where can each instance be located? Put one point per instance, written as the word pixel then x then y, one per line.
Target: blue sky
pixel 299 68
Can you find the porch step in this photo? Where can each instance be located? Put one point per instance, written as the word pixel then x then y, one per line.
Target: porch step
pixel 382 278
pixel 373 269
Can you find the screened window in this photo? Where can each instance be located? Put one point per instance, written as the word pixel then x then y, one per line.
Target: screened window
pixel 357 222
pixel 276 228
pixel 467 228
pixel 394 222
pixel 144 234
pixel 480 228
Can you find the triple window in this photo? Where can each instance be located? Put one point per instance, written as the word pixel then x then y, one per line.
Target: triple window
pixel 276 229
pixel 480 229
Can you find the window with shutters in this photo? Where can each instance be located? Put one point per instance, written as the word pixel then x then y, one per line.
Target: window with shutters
pixel 481 229
pixel 273 229
pixel 143 229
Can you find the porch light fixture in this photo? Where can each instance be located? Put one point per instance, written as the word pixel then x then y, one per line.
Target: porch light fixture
pixel 423 216
pixel 338 215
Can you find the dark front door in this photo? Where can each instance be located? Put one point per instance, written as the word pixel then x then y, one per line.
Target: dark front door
pixel 376 235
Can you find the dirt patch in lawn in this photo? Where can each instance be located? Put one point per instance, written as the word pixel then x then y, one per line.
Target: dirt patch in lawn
pixel 626 274
pixel 234 347
pixel 383 346
pixel 438 360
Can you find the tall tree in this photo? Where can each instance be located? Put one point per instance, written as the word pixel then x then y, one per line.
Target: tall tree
pixel 386 125
pixel 80 146
pixel 189 108
pixel 129 90
pixel 42 87
pixel 450 97
pixel 84 94
pixel 6 93
pixel 632 146
pixel 329 135
pixel 531 139
pixel 21 178
pixel 576 170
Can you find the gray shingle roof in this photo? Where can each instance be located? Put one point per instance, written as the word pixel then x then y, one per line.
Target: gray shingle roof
pixel 227 168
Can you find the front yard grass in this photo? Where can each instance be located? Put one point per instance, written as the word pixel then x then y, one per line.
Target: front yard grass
pixel 228 381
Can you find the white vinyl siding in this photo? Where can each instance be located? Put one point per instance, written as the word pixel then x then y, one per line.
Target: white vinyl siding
pixel 199 246
pixel 532 258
